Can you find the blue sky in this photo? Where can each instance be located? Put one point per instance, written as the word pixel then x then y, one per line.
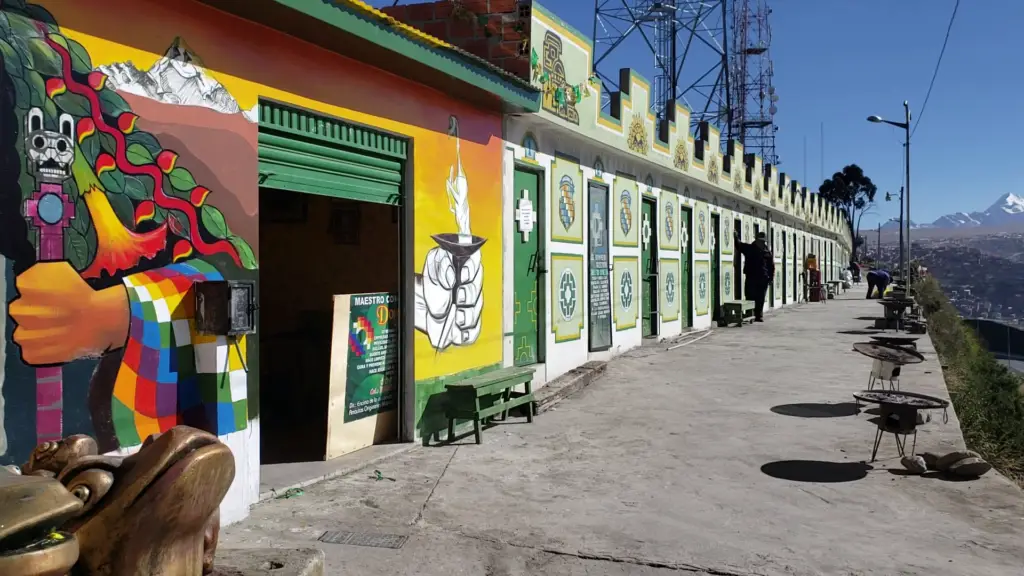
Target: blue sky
pixel 839 61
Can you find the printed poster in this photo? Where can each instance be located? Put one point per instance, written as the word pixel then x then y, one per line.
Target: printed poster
pixel 372 375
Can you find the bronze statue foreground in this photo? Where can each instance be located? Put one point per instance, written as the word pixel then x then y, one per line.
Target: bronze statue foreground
pixel 154 513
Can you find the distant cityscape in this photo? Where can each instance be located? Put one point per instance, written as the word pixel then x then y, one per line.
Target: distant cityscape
pixel 982 274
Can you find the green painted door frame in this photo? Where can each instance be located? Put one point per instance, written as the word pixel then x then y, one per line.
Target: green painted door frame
pixel 796 270
pixel 716 262
pixel 686 266
pixel 649 265
pixel 737 263
pixel 528 270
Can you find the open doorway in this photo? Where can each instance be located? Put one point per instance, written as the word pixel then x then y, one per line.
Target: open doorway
pixel 737 262
pixel 316 252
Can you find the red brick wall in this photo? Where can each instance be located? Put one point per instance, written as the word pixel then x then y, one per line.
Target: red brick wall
pixel 491 29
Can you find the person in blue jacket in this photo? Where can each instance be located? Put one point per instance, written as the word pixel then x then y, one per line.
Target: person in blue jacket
pixel 878 278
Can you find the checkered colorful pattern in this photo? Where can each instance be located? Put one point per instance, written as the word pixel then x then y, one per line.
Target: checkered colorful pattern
pixel 171 374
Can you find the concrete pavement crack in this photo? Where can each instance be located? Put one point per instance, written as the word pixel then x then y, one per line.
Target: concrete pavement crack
pixel 419 515
pixel 677 566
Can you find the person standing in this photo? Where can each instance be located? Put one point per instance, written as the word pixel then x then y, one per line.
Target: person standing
pixel 758 269
pixel 880 279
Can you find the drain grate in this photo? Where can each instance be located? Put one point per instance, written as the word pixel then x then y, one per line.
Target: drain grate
pixel 394 541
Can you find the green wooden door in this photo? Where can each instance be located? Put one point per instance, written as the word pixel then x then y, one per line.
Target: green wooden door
pixel 648 257
pixel 716 250
pixel 685 257
pixel 796 270
pixel 528 260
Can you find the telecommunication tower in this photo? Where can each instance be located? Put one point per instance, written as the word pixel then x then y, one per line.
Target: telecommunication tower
pixel 753 97
pixel 688 40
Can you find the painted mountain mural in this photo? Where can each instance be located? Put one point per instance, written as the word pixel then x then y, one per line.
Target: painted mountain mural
pixel 177 78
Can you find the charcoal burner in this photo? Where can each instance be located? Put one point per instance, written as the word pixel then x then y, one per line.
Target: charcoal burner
pixel 898 415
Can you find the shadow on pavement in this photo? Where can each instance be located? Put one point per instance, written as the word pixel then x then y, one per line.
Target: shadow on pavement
pixel 868 318
pixel 816 471
pixel 817 410
pixel 860 332
pixel 931 474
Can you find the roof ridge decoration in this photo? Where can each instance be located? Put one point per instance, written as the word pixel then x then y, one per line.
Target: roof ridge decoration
pixel 630 126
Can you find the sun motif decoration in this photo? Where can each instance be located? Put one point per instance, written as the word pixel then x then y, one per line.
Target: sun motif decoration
pixel 637 138
pixel 670 288
pixel 702 228
pixel 702 285
pixel 713 169
pixel 757 188
pixel 680 157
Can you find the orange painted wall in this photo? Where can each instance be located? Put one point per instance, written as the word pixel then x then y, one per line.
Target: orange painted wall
pixel 252 61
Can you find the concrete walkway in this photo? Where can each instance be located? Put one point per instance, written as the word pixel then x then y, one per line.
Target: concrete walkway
pixel 674 461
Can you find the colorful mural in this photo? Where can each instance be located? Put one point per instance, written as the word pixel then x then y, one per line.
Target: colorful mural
pixel 626 206
pixel 109 218
pixel 567 296
pixel 567 200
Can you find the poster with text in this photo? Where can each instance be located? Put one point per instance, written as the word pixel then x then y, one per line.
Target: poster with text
pixel 372 375
pixel 600 328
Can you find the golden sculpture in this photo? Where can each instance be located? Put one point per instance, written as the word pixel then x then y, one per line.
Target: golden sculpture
pixel 153 513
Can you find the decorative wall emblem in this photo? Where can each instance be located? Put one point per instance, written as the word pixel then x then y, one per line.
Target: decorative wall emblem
pixel 670 223
pixel 713 240
pixel 702 228
pixel 757 188
pixel 626 290
pixel 670 287
pixel 559 95
pixel 525 216
pixel 645 231
pixel 637 137
pixel 567 294
pixel 598 168
pixel 530 147
pixel 713 169
pixel 566 201
pixel 737 179
pixel 625 214
pixel 684 237
pixel 746 231
pixel 649 182
pixel 681 158
pixel 726 233
pixel 702 284
pixel 727 282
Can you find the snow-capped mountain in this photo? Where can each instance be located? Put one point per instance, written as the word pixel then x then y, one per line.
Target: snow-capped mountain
pixel 1008 210
pixel 176 78
pixel 894 224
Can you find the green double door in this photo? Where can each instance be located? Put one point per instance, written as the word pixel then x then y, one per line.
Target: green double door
pixel 528 269
pixel 716 251
pixel 649 264
pixel 685 258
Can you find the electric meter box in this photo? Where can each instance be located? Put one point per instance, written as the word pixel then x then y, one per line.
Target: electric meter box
pixel 226 307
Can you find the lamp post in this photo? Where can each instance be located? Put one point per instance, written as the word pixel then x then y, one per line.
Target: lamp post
pixel 888 198
pixel 906 127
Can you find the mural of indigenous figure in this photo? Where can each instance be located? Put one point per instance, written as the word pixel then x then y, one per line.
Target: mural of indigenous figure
pixel 104 234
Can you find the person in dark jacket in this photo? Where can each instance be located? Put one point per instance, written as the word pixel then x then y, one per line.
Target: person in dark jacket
pixel 758 269
pixel 880 279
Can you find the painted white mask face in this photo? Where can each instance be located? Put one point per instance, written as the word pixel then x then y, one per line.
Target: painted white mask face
pixel 50 153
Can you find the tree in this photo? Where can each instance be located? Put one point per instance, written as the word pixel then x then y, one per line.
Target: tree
pixel 852 192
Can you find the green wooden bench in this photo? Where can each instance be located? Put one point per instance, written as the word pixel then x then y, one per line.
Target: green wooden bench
pixel 483 397
pixel 737 312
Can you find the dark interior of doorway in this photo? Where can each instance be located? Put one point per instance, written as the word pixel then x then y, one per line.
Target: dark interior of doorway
pixel 311 248
pixel 737 263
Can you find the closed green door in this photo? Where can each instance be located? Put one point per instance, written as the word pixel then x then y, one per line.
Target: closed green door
pixel 716 241
pixel 686 293
pixel 528 265
pixel 796 271
pixel 648 257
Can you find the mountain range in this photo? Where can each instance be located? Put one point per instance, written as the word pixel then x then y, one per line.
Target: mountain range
pixel 176 78
pixel 1007 211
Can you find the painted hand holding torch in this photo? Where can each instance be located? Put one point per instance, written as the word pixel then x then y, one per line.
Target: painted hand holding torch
pixel 449 292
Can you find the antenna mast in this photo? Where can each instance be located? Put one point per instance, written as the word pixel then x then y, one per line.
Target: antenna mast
pixel 754 101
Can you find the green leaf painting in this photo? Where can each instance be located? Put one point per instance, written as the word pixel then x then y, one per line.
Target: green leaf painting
pixel 214 221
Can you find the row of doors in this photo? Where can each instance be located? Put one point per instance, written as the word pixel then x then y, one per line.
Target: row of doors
pixel 530 273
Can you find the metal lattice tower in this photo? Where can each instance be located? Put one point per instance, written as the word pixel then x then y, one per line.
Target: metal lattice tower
pixel 689 42
pixel 753 96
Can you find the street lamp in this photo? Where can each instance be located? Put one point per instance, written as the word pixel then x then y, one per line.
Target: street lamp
pixel 906 127
pixel 889 198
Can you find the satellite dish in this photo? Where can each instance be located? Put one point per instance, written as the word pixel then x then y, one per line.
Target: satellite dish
pixel 775 97
pixel 773 110
pixel 771 89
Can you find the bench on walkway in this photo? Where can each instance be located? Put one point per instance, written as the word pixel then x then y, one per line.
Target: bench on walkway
pixel 737 312
pixel 483 397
